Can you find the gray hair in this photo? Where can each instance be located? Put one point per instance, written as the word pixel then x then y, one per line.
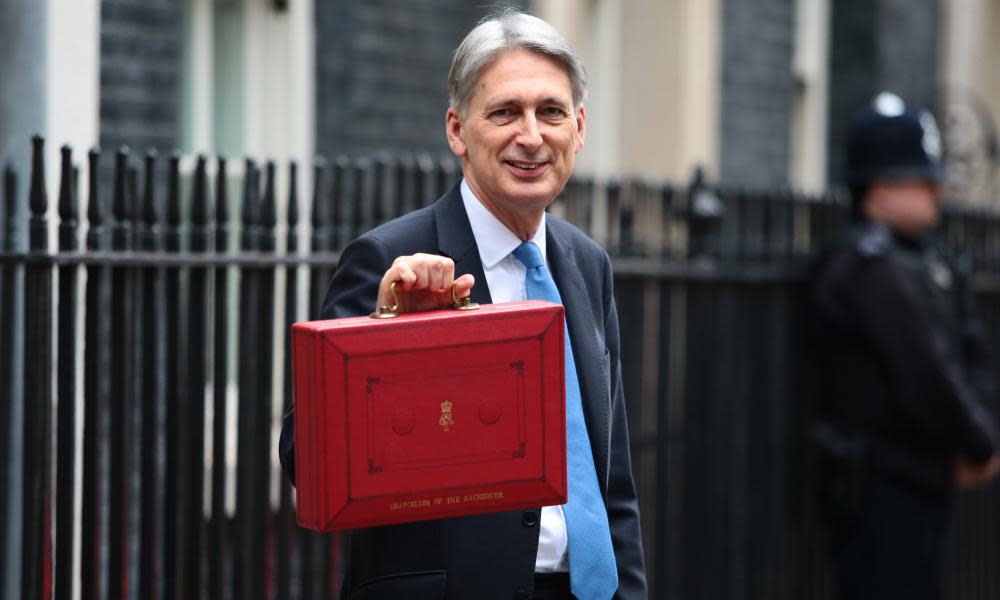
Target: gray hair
pixel 508 30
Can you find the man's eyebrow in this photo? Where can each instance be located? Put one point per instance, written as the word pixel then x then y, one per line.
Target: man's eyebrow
pixel 546 101
pixel 557 101
pixel 499 103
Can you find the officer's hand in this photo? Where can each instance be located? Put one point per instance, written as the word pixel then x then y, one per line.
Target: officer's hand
pixel 970 475
pixel 424 283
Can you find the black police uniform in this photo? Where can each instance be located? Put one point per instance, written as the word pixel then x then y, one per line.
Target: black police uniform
pixel 900 372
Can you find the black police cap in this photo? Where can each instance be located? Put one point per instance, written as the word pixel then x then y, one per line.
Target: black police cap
pixel 888 141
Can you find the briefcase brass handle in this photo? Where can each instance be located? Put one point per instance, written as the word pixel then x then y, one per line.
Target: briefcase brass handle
pixel 387 312
pixel 461 303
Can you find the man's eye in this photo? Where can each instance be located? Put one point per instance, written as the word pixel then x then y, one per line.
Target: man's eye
pixel 501 113
pixel 552 111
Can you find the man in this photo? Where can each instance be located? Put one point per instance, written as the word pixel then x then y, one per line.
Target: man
pixel 516 121
pixel 901 370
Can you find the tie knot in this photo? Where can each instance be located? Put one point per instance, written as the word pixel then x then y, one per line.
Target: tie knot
pixel 529 254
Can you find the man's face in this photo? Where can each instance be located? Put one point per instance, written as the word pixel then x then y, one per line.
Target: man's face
pixel 910 207
pixel 520 136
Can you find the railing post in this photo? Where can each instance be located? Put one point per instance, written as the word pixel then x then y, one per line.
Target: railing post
pixel 66 408
pixel 342 205
pixel 8 339
pixel 36 533
pixel 315 547
pixel 197 373
pixel 96 387
pixel 250 500
pixel 426 182
pixel 6 199
pixel 175 526
pixel 152 398
pixel 265 374
pixel 387 192
pixel 322 236
pixel 364 196
pixel 406 183
pixel 284 550
pixel 122 374
pixel 218 549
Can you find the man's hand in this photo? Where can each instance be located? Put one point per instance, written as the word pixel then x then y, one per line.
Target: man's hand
pixel 424 283
pixel 970 475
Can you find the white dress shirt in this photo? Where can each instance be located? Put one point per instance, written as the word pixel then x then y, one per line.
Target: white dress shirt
pixel 505 279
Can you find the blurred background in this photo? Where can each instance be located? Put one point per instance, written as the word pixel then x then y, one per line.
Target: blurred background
pixel 142 381
pixel 757 92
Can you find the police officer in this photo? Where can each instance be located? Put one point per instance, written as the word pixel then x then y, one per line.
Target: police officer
pixel 900 368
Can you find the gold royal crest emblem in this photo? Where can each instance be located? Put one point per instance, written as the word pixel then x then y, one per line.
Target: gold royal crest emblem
pixel 446 420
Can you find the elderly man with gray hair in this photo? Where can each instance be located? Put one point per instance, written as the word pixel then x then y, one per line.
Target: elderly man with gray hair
pixel 516 122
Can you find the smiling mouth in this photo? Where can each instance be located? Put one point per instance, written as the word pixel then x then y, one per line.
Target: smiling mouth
pixel 525 165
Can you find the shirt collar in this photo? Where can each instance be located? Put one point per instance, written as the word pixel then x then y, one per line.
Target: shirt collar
pixel 495 241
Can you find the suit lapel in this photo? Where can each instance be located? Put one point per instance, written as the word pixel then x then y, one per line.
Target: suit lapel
pixel 455 240
pixel 587 349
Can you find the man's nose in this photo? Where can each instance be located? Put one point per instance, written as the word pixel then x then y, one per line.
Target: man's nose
pixel 529 136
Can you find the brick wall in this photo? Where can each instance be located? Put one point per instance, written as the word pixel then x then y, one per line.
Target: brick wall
pixel 140 74
pixel 757 92
pixel 382 72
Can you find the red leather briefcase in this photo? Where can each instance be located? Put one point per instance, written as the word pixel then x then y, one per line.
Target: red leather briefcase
pixel 429 415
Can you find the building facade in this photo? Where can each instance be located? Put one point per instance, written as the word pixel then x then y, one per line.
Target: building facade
pixel 757 92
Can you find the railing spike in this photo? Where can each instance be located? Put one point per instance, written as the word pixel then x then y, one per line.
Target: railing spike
pixel 38 201
pixel 251 206
pixel 221 192
pixel 318 213
pixel 199 200
pixel 221 206
pixel 12 224
pixel 67 197
pixel 119 201
pixel 150 210
pixel 68 213
pixel 95 211
pixel 268 207
pixel 292 216
pixel 174 190
pixel 250 193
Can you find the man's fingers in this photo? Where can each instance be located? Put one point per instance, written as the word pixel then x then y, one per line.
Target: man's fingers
pixel 447 275
pixel 423 278
pixel 440 271
pixel 435 275
pixel 424 272
pixel 406 276
pixel 463 285
pixel 425 282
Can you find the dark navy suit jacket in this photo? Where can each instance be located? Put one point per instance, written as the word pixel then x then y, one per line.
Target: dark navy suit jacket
pixel 492 556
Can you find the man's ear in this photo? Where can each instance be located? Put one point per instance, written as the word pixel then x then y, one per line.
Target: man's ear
pixel 581 127
pixel 453 130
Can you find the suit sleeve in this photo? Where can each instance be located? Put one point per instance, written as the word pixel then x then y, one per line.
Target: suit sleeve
pixel 353 292
pixel 622 503
pixel 925 367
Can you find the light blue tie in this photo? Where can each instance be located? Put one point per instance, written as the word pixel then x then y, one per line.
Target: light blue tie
pixel 592 570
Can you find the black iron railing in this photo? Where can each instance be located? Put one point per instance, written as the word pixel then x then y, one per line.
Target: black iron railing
pixel 147 342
